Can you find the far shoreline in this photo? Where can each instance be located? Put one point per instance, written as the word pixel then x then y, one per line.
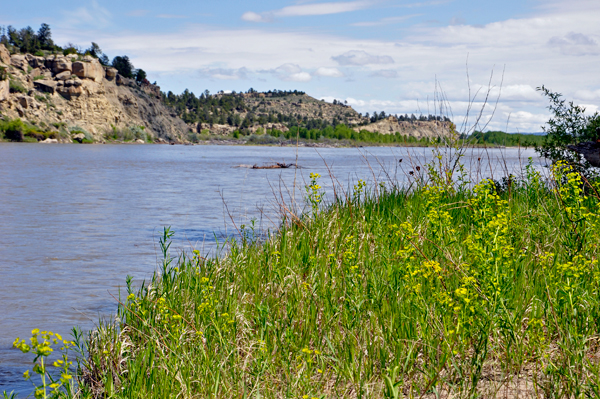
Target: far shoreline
pixel 303 144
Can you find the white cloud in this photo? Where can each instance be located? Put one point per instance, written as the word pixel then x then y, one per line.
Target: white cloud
pixel 588 95
pixel 385 73
pixel 225 74
pixel 386 21
pixel 457 21
pixel 329 72
pixel 322 8
pixel 306 10
pixel 291 73
pixel 575 44
pixel 254 17
pixel 361 57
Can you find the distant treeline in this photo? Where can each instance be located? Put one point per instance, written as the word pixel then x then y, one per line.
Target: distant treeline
pixel 339 132
pixel 405 118
pixel 506 139
pixel 225 109
pixel 40 43
pixel 343 132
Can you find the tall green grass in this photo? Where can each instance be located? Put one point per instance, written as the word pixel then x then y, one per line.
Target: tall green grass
pixel 441 291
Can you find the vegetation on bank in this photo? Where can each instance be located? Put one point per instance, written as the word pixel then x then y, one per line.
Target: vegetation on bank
pixel 498 138
pixel 19 131
pixel 343 135
pixel 447 288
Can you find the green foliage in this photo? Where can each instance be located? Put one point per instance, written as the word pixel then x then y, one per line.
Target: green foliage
pixel 130 133
pixel 3 73
pixel 17 87
pixel 568 125
pixel 140 75
pixel 207 108
pixel 504 139
pixel 18 131
pixel 26 40
pixel 124 66
pixel 71 49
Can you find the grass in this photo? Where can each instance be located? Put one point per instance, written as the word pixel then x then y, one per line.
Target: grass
pixel 445 290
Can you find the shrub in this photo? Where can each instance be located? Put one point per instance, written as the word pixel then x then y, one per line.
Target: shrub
pixel 36 135
pixel 88 138
pixel 3 73
pixel 17 87
pixel 568 125
pixel 14 130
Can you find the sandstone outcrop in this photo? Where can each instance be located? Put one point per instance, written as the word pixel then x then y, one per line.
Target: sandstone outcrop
pixel 46 86
pixel 89 70
pixel 417 129
pixel 19 61
pixel 64 75
pixel 4 55
pixel 35 62
pixel 4 90
pixel 111 73
pixel 74 91
pixel 61 64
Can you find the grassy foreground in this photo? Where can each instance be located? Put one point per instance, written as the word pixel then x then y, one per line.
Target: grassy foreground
pixel 435 292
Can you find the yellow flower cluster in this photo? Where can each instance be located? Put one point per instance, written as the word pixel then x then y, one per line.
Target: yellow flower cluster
pixel 41 345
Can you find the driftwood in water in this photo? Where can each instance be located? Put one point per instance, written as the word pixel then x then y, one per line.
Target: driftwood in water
pixel 276 166
pixel 590 150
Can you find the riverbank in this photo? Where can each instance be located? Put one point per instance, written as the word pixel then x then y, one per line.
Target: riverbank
pixel 489 291
pixel 271 143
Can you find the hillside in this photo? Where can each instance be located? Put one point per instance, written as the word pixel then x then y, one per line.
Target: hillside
pixel 223 113
pixel 73 95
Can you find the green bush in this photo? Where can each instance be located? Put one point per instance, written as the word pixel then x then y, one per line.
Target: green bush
pixel 17 87
pixel 75 130
pixel 13 130
pixel 128 134
pixel 568 125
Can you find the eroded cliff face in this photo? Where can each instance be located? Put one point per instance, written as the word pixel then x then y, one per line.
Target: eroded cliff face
pixel 417 129
pixel 78 92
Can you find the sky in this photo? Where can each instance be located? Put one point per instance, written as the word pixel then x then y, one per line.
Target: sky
pixel 478 62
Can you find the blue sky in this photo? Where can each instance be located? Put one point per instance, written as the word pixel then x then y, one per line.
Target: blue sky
pixel 396 56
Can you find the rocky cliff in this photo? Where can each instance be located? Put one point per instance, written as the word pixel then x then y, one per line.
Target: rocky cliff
pixel 417 129
pixel 78 94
